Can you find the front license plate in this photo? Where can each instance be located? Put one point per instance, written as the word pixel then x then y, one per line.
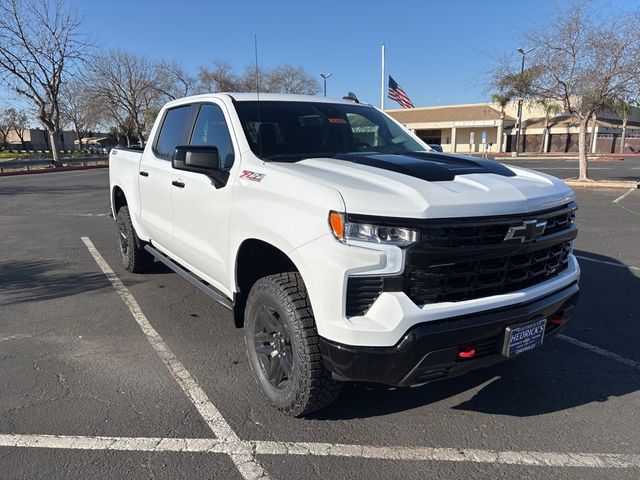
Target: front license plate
pixel 524 336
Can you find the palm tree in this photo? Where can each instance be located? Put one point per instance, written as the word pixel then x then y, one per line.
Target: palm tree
pixel 502 99
pixel 551 109
pixel 623 109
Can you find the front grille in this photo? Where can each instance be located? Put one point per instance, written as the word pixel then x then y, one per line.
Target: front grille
pixel 465 279
pixel 467 258
pixel 469 232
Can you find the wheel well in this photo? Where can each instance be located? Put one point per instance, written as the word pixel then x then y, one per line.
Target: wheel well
pixel 256 259
pixel 119 200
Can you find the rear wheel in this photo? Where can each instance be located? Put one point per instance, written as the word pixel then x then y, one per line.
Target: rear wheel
pixel 282 345
pixel 132 253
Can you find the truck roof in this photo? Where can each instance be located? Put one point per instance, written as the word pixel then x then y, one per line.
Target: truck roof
pixel 281 97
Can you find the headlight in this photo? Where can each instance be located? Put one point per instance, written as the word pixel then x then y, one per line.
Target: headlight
pixel 365 232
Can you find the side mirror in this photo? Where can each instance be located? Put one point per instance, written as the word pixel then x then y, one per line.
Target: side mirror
pixel 196 158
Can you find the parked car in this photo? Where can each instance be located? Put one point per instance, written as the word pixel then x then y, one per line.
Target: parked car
pixel 435 147
pixel 344 248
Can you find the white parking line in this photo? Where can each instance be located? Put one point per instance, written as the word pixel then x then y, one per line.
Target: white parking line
pixel 604 262
pixel 84 214
pixel 541 166
pixel 134 444
pixel 244 459
pixel 543 459
pixel 210 445
pixel 624 195
pixel 601 351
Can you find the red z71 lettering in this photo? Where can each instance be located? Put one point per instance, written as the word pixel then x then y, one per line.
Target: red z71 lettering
pixel 253 176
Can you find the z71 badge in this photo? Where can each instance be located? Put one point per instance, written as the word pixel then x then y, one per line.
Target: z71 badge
pixel 253 176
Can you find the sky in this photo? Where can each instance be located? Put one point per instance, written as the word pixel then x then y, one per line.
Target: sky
pixel 439 52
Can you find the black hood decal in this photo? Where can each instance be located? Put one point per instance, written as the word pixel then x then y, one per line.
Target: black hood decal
pixel 432 167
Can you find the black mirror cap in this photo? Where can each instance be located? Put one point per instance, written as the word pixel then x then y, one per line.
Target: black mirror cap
pixel 196 158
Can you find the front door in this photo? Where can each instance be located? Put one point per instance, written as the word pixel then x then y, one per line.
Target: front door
pixel 200 210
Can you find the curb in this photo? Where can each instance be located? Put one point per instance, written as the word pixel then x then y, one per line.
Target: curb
pixel 51 170
pixel 602 183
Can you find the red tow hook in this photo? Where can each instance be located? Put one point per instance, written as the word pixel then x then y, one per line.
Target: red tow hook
pixel 467 353
pixel 556 319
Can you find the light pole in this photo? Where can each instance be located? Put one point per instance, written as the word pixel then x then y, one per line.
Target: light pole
pixel 324 78
pixel 519 129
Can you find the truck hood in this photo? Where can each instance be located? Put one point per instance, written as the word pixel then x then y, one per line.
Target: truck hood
pixel 427 185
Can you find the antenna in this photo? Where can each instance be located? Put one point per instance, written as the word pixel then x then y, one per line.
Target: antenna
pixel 259 136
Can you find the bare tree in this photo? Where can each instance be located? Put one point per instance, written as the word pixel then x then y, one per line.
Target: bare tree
pixel 174 81
pixel 13 120
pixel 585 64
pixel 40 46
pixel 80 109
pixel 5 127
pixel 20 123
pixel 128 86
pixel 291 79
pixel 281 79
pixel 220 78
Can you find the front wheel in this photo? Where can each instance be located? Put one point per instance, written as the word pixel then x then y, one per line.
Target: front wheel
pixel 282 345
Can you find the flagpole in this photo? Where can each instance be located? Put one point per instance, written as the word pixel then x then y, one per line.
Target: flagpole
pixel 382 81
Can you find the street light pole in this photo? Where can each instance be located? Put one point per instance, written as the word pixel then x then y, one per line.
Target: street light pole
pixel 519 126
pixel 324 78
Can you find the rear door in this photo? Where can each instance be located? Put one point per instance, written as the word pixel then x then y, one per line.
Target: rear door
pixel 200 210
pixel 156 175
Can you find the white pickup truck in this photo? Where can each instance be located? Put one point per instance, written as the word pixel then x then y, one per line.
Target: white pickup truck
pixel 346 248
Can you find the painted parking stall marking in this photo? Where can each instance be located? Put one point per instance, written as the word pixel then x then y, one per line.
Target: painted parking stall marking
pixel 428 454
pixel 244 459
pixel 601 351
pixel 612 264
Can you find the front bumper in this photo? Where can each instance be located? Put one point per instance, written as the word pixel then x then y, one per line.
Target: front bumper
pixel 429 351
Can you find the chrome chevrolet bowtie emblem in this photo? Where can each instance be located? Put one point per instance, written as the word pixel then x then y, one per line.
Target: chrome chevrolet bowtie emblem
pixel 527 232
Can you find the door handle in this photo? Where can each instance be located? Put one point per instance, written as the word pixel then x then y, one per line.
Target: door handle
pixel 144 174
pixel 178 184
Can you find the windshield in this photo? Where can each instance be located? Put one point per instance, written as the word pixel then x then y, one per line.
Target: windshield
pixel 296 130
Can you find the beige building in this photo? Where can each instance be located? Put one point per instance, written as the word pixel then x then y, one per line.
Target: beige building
pixel 458 128
pixel 474 128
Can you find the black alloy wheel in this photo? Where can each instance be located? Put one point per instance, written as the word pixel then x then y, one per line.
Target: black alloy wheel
pixel 273 346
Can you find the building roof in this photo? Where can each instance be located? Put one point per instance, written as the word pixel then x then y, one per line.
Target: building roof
pixel 454 113
pixel 572 121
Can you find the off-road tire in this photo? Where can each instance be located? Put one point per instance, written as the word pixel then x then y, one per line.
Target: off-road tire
pixel 311 386
pixel 132 253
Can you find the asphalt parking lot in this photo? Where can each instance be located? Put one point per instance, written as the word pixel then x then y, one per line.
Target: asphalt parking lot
pixel 107 374
pixel 600 168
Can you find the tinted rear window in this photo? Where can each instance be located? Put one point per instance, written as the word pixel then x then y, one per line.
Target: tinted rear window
pixel 172 131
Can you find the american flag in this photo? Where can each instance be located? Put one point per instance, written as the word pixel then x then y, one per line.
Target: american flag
pixel 397 94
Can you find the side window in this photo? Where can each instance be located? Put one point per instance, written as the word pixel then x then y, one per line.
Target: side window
pixel 211 129
pixel 172 131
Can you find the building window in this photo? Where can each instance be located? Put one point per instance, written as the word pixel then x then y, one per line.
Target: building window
pixel 430 136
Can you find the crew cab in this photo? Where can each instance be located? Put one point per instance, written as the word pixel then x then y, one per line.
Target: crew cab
pixel 346 248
